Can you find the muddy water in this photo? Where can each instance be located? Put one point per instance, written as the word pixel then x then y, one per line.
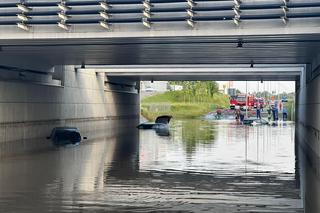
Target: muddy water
pixel 200 167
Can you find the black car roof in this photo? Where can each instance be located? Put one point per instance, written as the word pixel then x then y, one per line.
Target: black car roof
pixel 66 128
pixel 164 119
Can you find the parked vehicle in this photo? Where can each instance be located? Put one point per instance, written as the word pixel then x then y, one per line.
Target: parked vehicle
pixel 240 101
pixel 65 135
pixel 255 121
pixel 233 102
pixel 160 122
pixel 259 101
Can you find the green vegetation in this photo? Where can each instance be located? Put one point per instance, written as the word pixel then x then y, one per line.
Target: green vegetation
pixel 194 132
pixel 196 99
pixel 289 105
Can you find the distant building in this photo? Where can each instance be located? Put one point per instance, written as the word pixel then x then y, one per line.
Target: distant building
pixel 176 87
pixel 224 87
pixel 232 91
pixel 156 86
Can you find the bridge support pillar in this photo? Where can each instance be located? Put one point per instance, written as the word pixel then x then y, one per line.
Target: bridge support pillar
pixel 31 104
pixel 308 136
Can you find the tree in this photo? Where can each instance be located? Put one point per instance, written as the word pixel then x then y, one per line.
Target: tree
pixel 197 91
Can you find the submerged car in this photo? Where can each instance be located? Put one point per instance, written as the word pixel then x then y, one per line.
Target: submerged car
pixel 65 135
pixel 160 122
pixel 255 121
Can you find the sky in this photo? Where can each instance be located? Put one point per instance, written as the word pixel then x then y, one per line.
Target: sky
pixel 257 86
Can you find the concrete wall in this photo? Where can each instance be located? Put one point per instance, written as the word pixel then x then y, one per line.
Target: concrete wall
pixel 29 110
pixel 308 138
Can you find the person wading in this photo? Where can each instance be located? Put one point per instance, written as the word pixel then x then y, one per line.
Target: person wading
pixel 258 111
pixel 269 113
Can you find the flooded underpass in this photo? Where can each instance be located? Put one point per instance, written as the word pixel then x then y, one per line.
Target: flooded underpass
pixel 201 166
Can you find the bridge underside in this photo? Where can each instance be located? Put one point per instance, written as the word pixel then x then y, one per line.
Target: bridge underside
pixel 236 72
pixel 289 49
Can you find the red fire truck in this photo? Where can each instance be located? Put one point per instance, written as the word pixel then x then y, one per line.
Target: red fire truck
pixel 259 101
pixel 239 101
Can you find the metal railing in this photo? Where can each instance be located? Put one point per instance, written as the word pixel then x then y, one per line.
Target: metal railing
pixel 64 13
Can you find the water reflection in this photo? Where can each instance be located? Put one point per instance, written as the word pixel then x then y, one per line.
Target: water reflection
pixel 163 131
pixel 200 167
pixel 193 132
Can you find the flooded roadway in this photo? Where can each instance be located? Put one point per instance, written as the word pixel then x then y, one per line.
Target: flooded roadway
pixel 201 167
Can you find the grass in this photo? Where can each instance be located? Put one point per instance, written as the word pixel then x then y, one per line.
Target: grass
pixel 289 105
pixel 179 105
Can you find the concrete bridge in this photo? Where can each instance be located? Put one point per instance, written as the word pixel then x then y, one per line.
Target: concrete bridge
pixel 79 62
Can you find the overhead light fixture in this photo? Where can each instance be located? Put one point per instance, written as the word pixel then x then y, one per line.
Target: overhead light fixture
pixel 23 17
pixel 146 22
pixel 104 15
pixel 63 25
pixel 105 5
pixel 251 64
pixel 190 22
pixel 23 26
pixel 23 8
pixel 105 24
pixel 240 43
pixel 191 3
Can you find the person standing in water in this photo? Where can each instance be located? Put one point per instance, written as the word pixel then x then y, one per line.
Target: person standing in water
pixel 258 111
pixel 273 109
pixel 284 114
pixel 237 115
pixel 269 113
pixel 241 117
pixel 276 113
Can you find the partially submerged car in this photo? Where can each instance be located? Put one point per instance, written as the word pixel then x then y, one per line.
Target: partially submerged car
pixel 65 135
pixel 160 122
pixel 255 121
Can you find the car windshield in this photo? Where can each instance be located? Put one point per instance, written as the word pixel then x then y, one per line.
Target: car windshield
pixel 241 98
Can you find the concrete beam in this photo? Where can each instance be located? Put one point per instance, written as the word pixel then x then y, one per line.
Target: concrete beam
pixel 202 72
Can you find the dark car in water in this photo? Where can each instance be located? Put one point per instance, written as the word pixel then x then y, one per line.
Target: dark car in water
pixel 160 122
pixel 65 135
pixel 255 121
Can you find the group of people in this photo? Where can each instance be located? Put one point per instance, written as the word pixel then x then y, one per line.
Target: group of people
pixel 273 112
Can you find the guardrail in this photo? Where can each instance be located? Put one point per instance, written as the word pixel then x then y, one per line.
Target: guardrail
pixel 64 13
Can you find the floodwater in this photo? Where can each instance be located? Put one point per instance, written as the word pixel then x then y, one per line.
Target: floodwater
pixel 201 167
